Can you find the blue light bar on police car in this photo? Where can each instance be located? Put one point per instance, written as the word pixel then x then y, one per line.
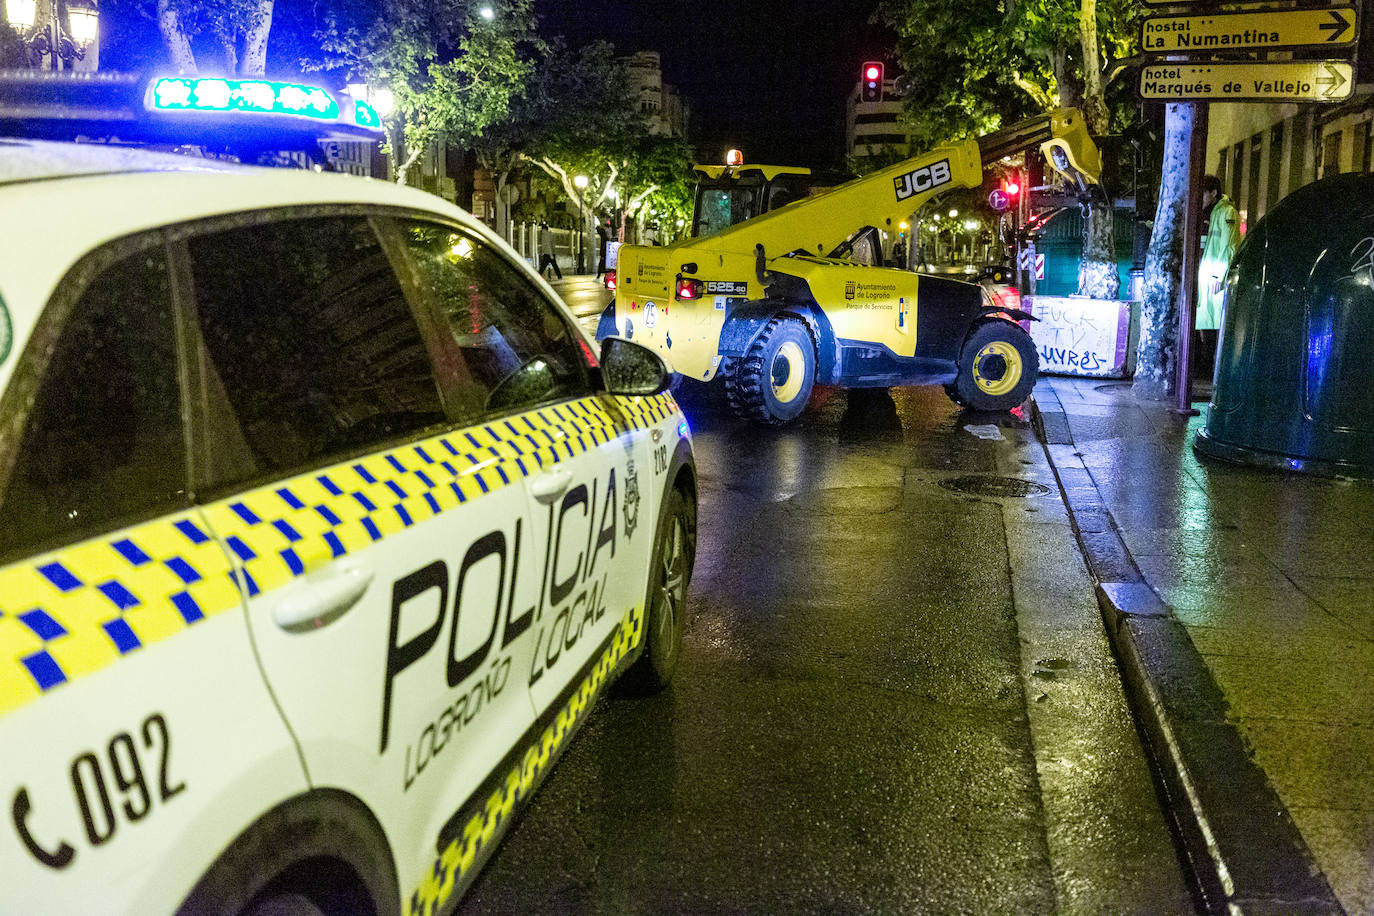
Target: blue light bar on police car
pixel 212 94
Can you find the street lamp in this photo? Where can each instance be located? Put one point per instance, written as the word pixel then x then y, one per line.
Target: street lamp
pixel 61 46
pixel 380 97
pixel 580 182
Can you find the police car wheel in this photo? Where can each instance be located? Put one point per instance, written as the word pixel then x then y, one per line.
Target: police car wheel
pixel 773 382
pixel 665 604
pixel 997 367
pixel 287 905
pixel 324 850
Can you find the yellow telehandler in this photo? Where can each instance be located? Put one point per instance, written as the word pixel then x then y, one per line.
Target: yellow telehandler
pixel 776 290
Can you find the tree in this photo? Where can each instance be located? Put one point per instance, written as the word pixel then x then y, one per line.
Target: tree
pixel 1157 354
pixel 657 184
pixel 964 74
pixel 577 115
pixel 453 66
pixel 13 53
pixel 970 69
pixel 239 28
pixel 571 109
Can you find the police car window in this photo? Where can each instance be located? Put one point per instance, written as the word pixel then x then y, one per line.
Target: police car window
pixel 311 341
pixel 518 349
pixel 103 443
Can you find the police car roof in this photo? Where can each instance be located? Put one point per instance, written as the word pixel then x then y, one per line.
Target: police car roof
pixel 34 160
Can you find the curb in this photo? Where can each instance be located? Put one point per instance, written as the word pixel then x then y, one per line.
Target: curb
pixel 1241 851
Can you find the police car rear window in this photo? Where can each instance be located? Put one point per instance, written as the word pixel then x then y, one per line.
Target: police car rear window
pixel 103 442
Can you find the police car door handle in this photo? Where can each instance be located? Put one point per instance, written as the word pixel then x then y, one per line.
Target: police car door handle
pixel 318 602
pixel 548 487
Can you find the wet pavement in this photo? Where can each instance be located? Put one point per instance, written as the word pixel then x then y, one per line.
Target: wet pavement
pixel 585 295
pixel 1269 579
pixel 896 696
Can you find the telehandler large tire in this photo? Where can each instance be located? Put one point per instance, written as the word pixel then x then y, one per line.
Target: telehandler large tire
pixel 997 367
pixel 772 382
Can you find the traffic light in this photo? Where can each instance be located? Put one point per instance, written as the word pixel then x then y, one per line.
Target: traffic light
pixel 871 78
pixel 1012 185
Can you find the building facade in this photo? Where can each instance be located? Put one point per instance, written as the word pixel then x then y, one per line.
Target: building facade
pixel 1261 153
pixel 659 102
pixel 872 128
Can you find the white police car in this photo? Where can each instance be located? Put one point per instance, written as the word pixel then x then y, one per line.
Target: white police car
pixel 321 530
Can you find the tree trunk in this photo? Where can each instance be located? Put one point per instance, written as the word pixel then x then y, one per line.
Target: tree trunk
pixel 1065 84
pixel 1097 274
pixel 403 167
pixel 1157 354
pixel 503 201
pixel 231 56
pixel 178 45
pixel 403 156
pixel 254 60
pixel 1094 94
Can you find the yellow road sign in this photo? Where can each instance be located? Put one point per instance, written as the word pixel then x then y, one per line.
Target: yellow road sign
pixel 1214 33
pixel 1262 81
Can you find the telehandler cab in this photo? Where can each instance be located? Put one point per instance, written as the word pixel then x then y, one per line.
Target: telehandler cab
pixel 783 299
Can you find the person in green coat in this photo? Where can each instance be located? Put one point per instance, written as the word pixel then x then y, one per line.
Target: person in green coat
pixel 1219 246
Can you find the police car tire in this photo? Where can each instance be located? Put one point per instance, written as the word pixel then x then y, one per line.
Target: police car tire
pixel 749 388
pixel 988 333
pixel 665 605
pixel 290 904
pixel 324 847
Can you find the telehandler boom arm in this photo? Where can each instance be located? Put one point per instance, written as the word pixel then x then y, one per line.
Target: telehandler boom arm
pixel 820 224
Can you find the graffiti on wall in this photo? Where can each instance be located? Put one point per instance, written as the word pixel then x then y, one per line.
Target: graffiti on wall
pixel 1076 336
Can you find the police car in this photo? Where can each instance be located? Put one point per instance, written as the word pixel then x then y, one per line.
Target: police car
pixel 322 528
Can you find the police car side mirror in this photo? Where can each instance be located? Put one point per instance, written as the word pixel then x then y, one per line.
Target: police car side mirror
pixel 631 368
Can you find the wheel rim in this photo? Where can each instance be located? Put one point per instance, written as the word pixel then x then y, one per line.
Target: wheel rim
pixel 672 586
pixel 997 368
pixel 787 371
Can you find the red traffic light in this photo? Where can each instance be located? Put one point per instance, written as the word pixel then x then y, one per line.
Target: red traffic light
pixel 872 74
pixel 1012 187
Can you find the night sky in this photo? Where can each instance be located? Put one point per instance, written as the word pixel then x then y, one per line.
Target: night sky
pixel 767 76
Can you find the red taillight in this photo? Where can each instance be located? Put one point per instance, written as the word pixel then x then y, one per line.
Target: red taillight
pixel 610 279
pixel 687 288
pixel 587 353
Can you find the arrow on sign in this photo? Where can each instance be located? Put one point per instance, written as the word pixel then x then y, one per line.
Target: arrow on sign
pixel 1338 26
pixel 1333 81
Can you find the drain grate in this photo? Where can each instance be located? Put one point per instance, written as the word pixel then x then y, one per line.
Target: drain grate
pixel 994 486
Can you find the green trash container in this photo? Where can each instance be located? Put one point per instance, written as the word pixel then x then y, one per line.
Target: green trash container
pixel 1293 387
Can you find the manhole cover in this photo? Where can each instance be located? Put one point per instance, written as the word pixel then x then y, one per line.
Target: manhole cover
pixel 994 486
pixel 1112 386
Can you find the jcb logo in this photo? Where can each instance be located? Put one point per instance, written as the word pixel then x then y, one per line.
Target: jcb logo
pixel 922 179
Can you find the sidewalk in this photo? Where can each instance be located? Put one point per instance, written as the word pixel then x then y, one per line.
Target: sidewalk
pixel 1240 603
